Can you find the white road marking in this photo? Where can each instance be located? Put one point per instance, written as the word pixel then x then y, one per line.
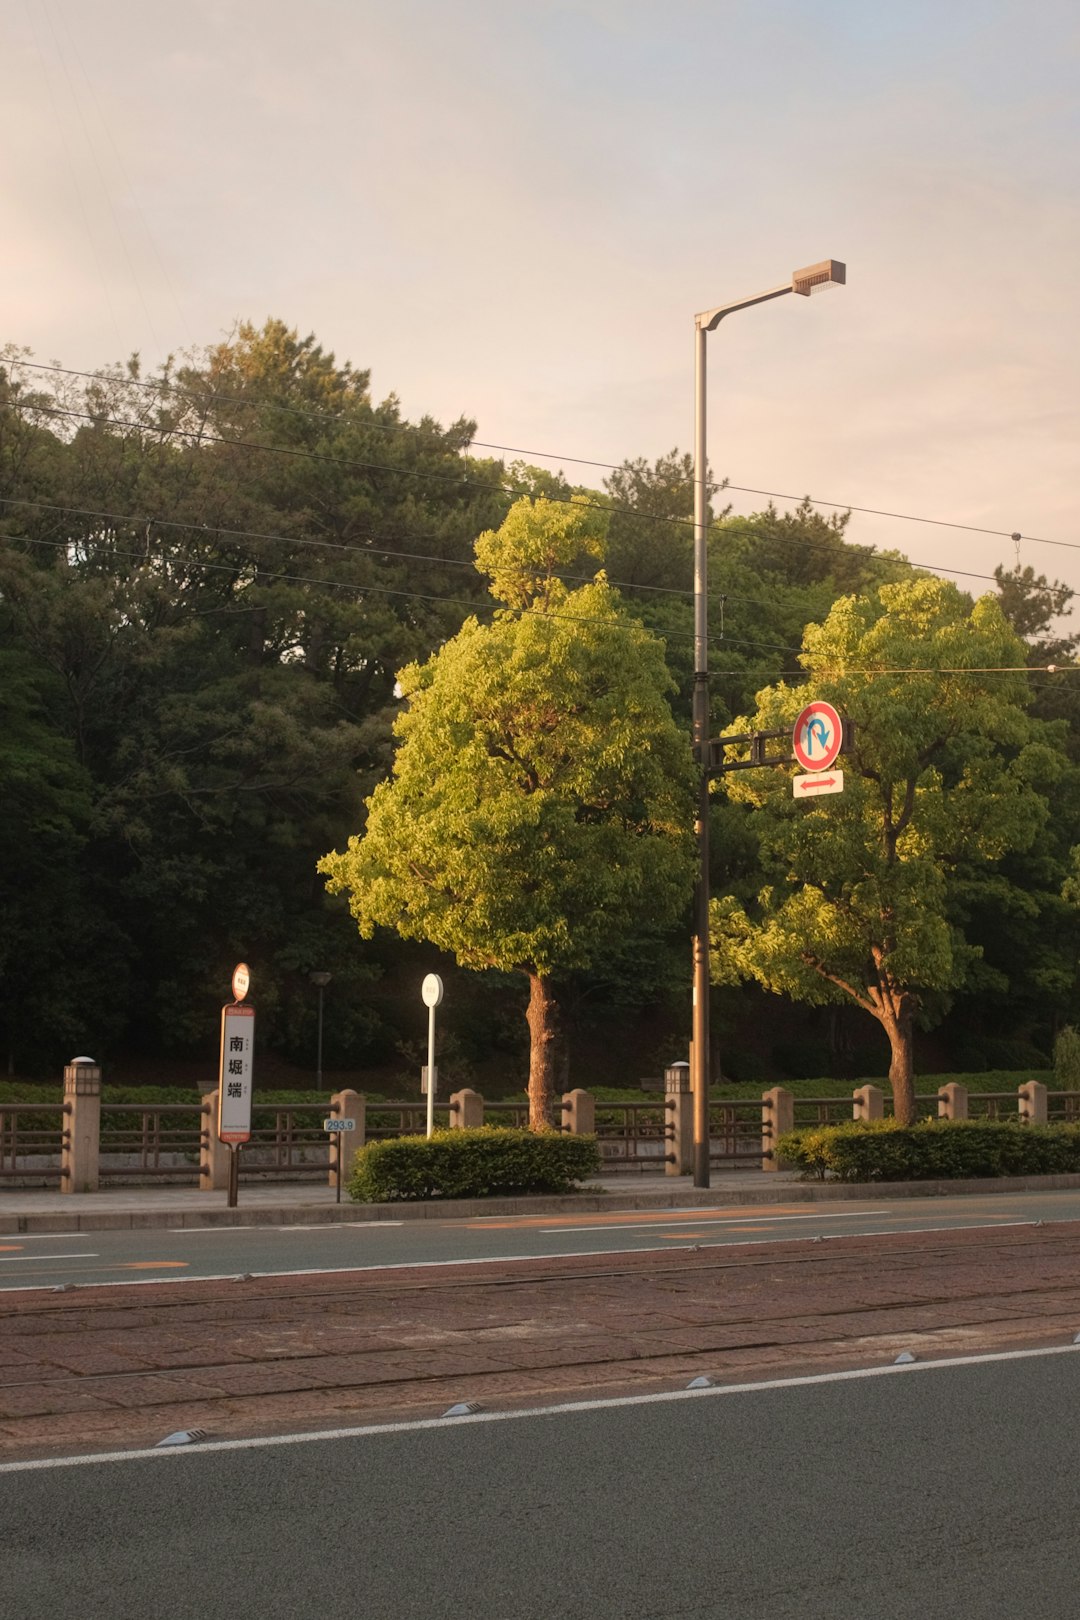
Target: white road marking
pixel 489 1259
pixel 564 1409
pixel 39 1237
pixel 723 1220
pixel 319 1226
pixel 14 1259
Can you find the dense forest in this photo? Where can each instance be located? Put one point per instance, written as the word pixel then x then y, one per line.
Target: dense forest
pixel 210 577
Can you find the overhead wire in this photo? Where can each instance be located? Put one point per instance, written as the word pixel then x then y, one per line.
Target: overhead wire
pixel 275 576
pixel 551 455
pixel 200 436
pixel 374 548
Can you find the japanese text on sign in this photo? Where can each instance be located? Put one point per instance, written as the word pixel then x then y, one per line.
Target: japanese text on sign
pixel 234 1080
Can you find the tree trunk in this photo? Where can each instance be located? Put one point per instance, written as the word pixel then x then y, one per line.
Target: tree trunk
pixel 543 1017
pixel 901 1033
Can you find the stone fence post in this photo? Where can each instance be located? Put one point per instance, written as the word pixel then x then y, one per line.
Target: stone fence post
pixel 1032 1099
pixel 869 1103
pixel 466 1110
pixel 777 1116
pixel 213 1153
pixel 80 1153
pixel 347 1104
pixel 952 1101
pixel 579 1113
pixel 679 1120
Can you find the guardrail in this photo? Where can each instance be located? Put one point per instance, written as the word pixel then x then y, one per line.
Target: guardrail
pixel 32 1137
pixel 155 1141
pixel 177 1142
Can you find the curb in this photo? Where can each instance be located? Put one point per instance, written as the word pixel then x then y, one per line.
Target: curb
pixel 583 1203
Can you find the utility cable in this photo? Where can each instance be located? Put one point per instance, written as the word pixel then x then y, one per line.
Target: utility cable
pixel 277 577
pixel 551 455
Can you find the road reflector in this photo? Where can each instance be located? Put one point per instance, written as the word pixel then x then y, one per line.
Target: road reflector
pixel 904 1359
pixel 463 1409
pixel 183 1437
pixel 701 1383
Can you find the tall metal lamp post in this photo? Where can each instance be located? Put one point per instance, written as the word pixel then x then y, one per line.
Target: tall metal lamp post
pixel 829 273
pixel 320 981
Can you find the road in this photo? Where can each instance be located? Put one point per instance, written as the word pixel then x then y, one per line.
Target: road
pixel 924 1493
pixel 186 1254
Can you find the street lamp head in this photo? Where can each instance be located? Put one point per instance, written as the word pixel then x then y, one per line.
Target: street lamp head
pixel 816 277
pixel 321 980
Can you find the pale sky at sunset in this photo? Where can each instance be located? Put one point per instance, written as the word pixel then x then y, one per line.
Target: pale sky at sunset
pixel 511 209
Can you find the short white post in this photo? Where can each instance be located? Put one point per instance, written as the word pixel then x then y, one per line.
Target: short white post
pixel 952 1101
pixel 466 1110
pixel 1032 1097
pixel 869 1103
pixel 777 1116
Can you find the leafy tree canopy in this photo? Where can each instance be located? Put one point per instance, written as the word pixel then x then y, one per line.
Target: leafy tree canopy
pixel 947 768
pixel 540 804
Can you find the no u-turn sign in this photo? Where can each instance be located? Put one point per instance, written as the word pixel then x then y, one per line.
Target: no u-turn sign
pixel 817 737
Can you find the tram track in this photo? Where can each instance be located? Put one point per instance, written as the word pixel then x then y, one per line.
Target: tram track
pixel 120 1362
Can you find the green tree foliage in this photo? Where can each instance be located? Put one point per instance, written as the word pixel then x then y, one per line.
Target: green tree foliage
pixel 540 805
pixel 947 772
pixel 210 583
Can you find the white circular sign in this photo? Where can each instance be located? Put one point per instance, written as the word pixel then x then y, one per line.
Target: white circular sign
pixel 817 736
pixel 241 981
pixel 431 990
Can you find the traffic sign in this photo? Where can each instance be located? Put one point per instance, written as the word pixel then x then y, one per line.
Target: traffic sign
pixel 234 1074
pixel 812 787
pixel 817 736
pixel 241 981
pixel 333 1125
pixel 431 991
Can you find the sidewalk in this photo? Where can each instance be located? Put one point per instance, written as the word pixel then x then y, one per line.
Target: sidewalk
pixel 292 1203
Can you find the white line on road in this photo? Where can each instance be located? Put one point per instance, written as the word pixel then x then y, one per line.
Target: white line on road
pixel 722 1220
pixel 497 1259
pixel 319 1226
pixel 14 1259
pixel 565 1409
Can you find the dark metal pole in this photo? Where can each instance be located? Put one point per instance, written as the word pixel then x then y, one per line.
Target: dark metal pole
pixel 699 1050
pixel 318 1059
pixel 234 1174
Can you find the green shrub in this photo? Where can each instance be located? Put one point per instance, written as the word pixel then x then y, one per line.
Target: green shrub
pixel 480 1163
pixel 932 1150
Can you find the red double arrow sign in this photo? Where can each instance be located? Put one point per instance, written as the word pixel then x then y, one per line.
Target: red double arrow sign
pixel 833 783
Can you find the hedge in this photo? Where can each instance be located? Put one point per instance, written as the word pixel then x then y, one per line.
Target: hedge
pixel 480 1163
pixel 932 1150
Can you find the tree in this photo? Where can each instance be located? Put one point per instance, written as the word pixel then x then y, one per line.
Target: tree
pixel 945 776
pixel 541 801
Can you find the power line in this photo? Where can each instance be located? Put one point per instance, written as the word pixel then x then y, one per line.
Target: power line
pixel 142 520
pixel 278 577
pixel 244 444
pixel 551 455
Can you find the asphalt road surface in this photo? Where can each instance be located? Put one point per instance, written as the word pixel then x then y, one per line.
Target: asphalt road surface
pixel 926 1493
pixel 83 1258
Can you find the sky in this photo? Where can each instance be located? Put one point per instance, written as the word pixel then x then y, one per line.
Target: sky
pixel 512 209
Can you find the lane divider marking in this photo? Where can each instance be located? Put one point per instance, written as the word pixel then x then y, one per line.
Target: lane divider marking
pixel 563 1409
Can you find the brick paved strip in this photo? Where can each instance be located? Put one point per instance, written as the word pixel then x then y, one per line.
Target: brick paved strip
pixel 104 1367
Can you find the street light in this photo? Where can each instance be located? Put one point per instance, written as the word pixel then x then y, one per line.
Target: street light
pixel 320 981
pixel 829 273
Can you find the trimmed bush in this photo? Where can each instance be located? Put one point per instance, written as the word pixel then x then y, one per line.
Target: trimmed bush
pixel 483 1163
pixel 932 1150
